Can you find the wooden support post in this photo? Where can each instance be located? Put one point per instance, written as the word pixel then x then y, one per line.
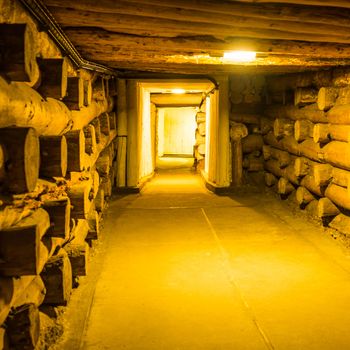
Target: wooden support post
pixel 75 93
pixel 122 132
pixel 76 150
pixel 22 166
pixel 53 156
pixel 21 248
pixel 59 212
pixel 57 277
pixel 53 77
pixel 237 132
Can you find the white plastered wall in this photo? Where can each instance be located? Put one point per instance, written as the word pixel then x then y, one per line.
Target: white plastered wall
pixel 139 155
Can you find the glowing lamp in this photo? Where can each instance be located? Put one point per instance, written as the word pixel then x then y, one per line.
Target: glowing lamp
pixel 240 56
pixel 178 91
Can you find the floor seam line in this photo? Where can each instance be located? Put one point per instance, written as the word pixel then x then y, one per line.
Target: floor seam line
pixel 247 307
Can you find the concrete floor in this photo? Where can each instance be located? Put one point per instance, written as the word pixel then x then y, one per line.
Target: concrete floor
pixel 185 269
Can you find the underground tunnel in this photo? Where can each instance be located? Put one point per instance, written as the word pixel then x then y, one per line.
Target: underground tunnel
pixel 174 175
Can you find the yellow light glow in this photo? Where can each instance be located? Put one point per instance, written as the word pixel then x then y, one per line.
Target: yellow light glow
pixel 178 91
pixel 240 56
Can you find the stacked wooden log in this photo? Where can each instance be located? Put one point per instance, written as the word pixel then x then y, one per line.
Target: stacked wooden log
pixel 245 129
pixel 57 154
pixel 200 147
pixel 308 152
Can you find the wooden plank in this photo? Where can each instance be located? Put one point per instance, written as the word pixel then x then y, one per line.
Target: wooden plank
pixel 84 38
pixel 241 27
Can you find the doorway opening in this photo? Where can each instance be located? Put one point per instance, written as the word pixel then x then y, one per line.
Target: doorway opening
pixel 178 121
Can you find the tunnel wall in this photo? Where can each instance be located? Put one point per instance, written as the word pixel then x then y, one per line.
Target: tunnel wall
pixel 57 169
pixel 305 126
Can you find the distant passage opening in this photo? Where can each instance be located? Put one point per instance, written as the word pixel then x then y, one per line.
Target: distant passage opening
pixel 176 129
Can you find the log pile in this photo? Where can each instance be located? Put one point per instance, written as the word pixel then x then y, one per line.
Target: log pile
pixel 308 150
pixel 200 146
pixel 246 129
pixel 56 174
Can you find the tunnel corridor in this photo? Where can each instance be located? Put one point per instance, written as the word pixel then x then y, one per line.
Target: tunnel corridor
pixel 186 269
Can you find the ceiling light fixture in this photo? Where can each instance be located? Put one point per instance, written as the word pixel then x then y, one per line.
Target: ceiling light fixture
pixel 240 56
pixel 178 91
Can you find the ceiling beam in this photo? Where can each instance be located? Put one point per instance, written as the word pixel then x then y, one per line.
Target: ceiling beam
pixel 86 37
pixel 209 10
pixel 172 28
pixel 335 3
pixel 176 100
pixel 209 69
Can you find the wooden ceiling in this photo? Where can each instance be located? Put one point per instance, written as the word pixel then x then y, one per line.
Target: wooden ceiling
pixel 190 36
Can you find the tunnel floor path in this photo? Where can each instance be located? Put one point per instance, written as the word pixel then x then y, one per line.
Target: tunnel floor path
pixel 186 269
